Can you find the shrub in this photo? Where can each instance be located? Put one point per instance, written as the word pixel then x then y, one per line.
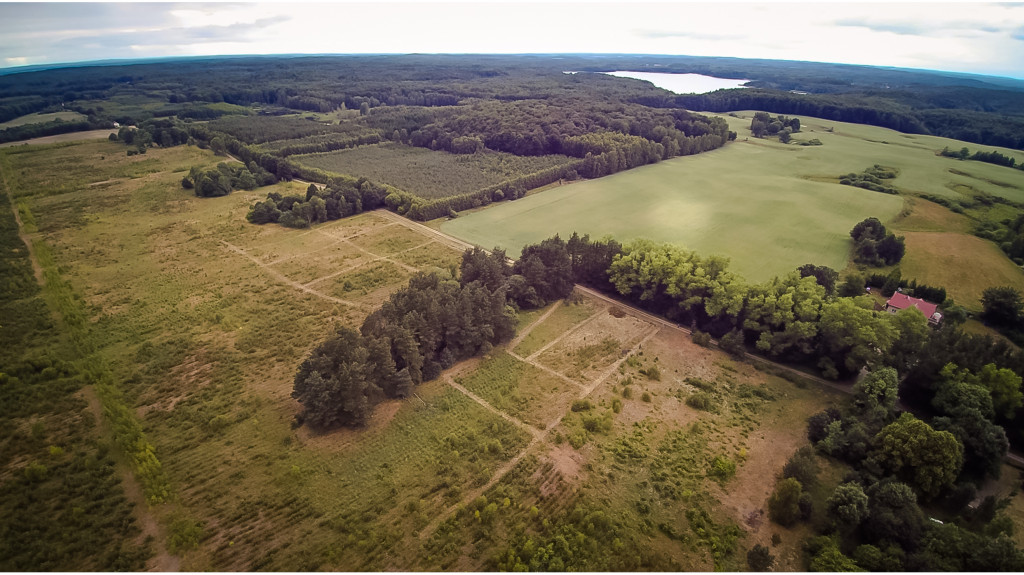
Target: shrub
pixel 646 397
pixel 617 405
pixel 760 558
pixel 627 392
pixel 701 338
pixel 701 400
pixel 784 503
pixel 581 405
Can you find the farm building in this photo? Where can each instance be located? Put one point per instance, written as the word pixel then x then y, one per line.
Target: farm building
pixel 900 301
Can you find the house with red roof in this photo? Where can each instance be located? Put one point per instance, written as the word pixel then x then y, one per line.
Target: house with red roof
pixel 900 301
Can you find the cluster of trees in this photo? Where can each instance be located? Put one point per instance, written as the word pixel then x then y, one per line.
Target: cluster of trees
pixel 165 133
pixel 338 200
pixel 425 328
pixel 874 246
pixel 225 178
pixel 419 331
pixel 763 124
pixel 875 520
pixel 992 157
pixel 871 179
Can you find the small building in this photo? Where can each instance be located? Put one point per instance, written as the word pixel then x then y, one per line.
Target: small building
pixel 900 301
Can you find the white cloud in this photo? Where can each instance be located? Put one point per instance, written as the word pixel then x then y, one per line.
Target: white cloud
pixel 955 36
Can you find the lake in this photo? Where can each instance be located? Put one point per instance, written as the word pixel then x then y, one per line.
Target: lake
pixel 683 83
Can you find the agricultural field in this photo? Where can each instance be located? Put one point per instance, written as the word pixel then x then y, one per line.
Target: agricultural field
pixel 781 210
pixel 427 173
pixel 195 322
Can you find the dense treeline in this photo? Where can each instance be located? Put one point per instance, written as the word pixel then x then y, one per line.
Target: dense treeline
pixel 898 111
pixel 424 328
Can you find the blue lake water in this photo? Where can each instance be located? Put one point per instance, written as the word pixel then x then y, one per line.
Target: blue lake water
pixel 683 83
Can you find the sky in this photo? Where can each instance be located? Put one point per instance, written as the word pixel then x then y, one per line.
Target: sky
pixel 983 38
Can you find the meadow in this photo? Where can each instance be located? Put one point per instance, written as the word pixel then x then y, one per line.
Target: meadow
pixel 771 207
pixel 196 320
pixel 427 173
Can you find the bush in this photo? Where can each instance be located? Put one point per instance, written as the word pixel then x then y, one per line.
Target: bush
pixel 760 558
pixel 646 397
pixel 701 400
pixel 732 343
pixel 581 405
pixel 802 466
pixel 784 503
pixel 701 338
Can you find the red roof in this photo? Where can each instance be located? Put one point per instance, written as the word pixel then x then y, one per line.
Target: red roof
pixel 901 301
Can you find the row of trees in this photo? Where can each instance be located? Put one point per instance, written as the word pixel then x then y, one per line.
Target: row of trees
pixel 992 157
pixel 425 328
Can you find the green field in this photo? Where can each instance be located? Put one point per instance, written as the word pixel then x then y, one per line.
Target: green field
pixel 769 207
pixel 427 173
pixel 66 116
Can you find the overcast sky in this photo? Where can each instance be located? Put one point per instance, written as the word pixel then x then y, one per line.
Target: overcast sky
pixel 986 38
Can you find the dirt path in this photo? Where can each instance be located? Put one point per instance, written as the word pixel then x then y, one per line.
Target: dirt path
pixel 530 360
pixel 286 280
pixel 361 264
pixel 538 437
pixel 536 433
pixel 162 560
pixel 566 334
pixel 418 227
pixel 37 270
pixel 526 330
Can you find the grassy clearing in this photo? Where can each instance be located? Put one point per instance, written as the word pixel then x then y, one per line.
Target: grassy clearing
pixel 520 390
pixel 565 316
pixel 65 116
pixel 966 265
pixel 586 352
pixel 426 173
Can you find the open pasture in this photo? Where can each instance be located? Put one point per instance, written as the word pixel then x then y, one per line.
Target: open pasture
pixel 769 207
pixel 427 173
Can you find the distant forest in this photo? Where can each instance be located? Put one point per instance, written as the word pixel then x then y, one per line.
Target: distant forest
pixel 524 105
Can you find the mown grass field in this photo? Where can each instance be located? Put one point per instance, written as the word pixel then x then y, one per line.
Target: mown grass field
pixel 769 207
pixel 427 173
pixel 203 318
